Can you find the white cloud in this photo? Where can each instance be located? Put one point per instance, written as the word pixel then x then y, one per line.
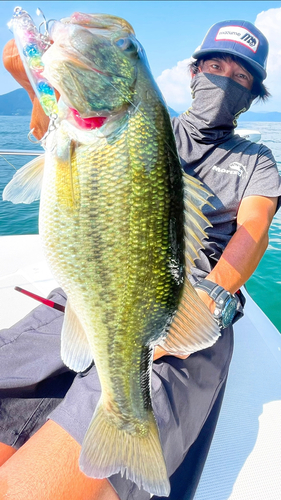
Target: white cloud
pixel 174 84
pixel 269 23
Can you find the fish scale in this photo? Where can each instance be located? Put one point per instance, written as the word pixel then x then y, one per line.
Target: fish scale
pixel 128 252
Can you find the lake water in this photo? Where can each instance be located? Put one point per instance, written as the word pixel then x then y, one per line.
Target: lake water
pixel 264 286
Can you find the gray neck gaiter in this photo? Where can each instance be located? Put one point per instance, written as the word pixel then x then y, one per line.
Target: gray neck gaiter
pixel 217 102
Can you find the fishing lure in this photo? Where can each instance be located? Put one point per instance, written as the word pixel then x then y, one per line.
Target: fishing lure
pixel 32 45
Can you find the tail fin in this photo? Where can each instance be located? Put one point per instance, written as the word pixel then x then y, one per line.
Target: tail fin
pixel 108 450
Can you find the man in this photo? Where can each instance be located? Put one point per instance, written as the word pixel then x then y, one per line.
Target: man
pixel 186 393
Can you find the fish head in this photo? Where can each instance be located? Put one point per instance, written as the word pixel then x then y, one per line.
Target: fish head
pixel 93 63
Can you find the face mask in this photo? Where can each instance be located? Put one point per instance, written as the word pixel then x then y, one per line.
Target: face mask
pixel 217 103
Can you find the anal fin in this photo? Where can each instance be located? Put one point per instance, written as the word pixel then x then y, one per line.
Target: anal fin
pixel 75 349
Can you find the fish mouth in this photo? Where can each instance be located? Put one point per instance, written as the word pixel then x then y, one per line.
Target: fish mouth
pixel 88 123
pixel 76 64
pixel 80 115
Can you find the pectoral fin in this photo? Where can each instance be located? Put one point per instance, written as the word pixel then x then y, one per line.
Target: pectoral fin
pixel 67 179
pixel 75 349
pixel 25 186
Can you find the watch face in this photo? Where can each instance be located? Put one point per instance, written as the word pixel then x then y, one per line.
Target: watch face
pixel 228 312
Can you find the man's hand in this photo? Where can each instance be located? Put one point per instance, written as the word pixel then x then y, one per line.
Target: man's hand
pixel 159 352
pixel 206 299
pixel 12 62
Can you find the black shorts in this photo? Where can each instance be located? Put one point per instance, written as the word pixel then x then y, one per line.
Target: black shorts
pixel 35 386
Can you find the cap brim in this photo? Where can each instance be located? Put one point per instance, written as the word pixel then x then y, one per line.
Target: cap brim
pixel 260 72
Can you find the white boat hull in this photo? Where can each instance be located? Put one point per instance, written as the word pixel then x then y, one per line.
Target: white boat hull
pixel 250 135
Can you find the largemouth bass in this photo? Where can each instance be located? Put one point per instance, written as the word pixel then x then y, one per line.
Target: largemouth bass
pixel 121 224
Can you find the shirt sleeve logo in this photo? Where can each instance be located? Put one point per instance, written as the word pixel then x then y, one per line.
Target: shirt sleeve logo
pixel 239 35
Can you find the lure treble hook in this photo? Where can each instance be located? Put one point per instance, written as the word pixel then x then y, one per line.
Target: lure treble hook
pixel 46 23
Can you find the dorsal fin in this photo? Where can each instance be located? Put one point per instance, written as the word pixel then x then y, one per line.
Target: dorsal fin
pixel 193 327
pixel 195 222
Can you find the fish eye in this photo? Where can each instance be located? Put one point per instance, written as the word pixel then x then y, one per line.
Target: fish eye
pixel 126 44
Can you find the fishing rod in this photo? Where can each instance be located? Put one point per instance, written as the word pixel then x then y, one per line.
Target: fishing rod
pixel 47 302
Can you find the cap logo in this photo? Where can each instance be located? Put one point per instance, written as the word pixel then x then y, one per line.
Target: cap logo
pixel 239 35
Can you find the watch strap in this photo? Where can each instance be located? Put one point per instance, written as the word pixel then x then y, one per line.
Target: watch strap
pixel 212 289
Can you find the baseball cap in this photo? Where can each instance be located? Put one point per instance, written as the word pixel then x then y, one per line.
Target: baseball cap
pixel 239 38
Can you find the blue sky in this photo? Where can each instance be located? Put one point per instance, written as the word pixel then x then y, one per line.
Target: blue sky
pixel 169 32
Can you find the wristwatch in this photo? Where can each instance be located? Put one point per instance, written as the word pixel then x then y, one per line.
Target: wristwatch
pixel 226 303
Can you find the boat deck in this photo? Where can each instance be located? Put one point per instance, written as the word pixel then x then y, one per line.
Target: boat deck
pixel 244 461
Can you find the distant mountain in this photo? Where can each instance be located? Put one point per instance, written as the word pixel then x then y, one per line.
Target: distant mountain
pixel 15 103
pixel 251 116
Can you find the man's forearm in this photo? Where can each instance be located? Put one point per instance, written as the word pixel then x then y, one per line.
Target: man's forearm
pixel 239 260
pixel 246 247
